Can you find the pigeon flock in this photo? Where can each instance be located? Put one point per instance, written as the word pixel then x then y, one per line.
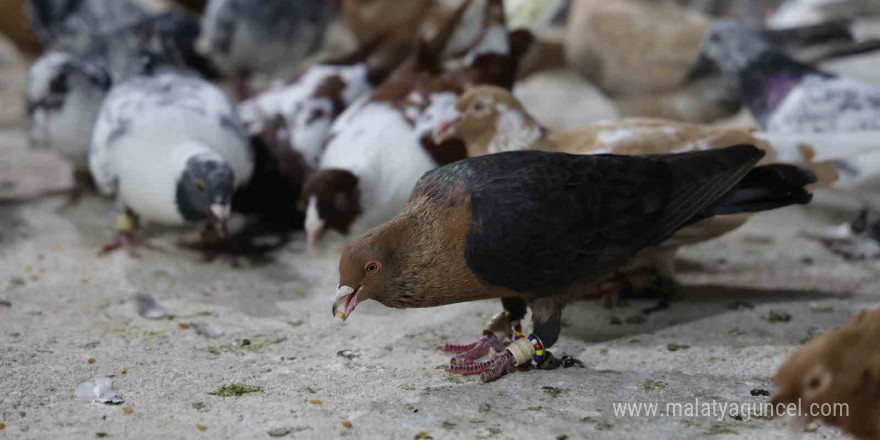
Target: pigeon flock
pixel 413 147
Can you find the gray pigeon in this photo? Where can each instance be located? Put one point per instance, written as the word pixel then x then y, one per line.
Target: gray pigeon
pixel 172 150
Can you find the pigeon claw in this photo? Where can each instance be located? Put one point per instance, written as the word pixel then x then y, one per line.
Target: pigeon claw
pixel 125 240
pixel 488 370
pixel 476 350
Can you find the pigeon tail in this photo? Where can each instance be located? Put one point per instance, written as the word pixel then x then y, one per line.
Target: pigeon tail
pixel 765 188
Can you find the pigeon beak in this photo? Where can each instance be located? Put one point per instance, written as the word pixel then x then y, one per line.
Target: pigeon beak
pixel 346 301
pixel 445 130
pixel 221 214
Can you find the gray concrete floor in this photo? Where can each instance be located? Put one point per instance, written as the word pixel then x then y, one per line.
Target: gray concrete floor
pixel 68 305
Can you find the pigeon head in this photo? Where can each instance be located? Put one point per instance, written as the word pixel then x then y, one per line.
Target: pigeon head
pixel 331 200
pixel 489 120
pixel 368 269
pixel 733 46
pixel 55 75
pixel 840 367
pixel 204 190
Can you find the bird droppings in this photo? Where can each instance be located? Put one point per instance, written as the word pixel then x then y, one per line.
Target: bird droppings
pixel 654 385
pixel 562 437
pixel 759 392
pixel 148 308
pixel 201 427
pixel 207 330
pixel 676 347
pixel 236 390
pixel 775 317
pixel 423 435
pixel 348 354
pixel 484 407
pixel 553 391
pixel 409 407
pixel 346 424
pixel 615 321
pixel 279 432
pixel 200 406
pixel 488 433
pixel 127 410
pixel 98 389
pixel 101 434
pixel 448 425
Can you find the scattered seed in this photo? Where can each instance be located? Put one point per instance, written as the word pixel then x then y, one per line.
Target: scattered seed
pixel 447 424
pixel 423 435
pixel 91 361
pixel 2 426
pixel 84 281
pixel 127 410
pixel 201 427
pixel 346 424
pixel 316 402
pixel 183 325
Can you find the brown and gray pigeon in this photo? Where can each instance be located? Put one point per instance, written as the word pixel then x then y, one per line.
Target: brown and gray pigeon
pixel 539 229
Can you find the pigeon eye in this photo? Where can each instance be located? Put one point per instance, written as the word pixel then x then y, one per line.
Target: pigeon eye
pixel 200 184
pixel 816 382
pixel 372 267
pixel 478 106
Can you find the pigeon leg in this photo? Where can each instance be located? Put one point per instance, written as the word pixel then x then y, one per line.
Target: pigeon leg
pixel 126 225
pixel 496 333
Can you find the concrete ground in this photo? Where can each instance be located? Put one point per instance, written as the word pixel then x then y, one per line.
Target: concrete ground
pixel 67 315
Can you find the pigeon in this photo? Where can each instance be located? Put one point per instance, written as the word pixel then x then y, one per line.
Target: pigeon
pixel 381 145
pixel 262 36
pixel 172 149
pixel 491 120
pixel 79 26
pixel 788 97
pixel 64 97
pixel 838 370
pixel 539 229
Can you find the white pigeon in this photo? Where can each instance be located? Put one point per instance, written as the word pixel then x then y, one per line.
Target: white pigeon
pixel 172 150
pixel 64 97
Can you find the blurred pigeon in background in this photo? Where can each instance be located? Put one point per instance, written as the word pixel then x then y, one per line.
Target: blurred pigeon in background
pixel 262 36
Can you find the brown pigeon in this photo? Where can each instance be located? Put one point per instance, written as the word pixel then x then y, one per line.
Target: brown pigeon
pixel 539 229
pixel 839 374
